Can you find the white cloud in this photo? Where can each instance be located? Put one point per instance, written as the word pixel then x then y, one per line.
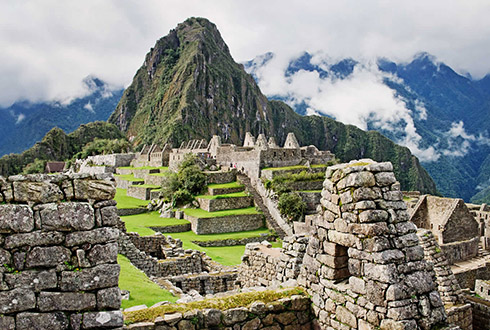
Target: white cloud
pixel 49 46
pixel 89 107
pixel 20 118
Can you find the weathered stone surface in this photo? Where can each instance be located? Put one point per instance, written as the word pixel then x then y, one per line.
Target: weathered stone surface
pixel 357 179
pixel 235 315
pixel 67 216
pixel 65 301
pixel 109 298
pixel 5 257
pixel 36 192
pixel 373 216
pixel 383 273
pixel 36 238
pixel 94 189
pixel 47 256
pixel 32 279
pixel 16 300
pixel 95 236
pixel 212 317
pixel 52 321
pixel 98 277
pixel 385 178
pixel 103 254
pixel 7 322
pixel 95 320
pixel 345 316
pixel 109 216
pixel 16 218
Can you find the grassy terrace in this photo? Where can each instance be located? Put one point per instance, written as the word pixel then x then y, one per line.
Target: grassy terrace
pixel 295 167
pixel 161 168
pixel 224 303
pixel 237 194
pixel 142 289
pixel 151 186
pixel 126 202
pixel 225 185
pixel 127 177
pixel 200 213
pixel 139 223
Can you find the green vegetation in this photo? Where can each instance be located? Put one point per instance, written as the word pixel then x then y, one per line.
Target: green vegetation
pixel 127 202
pixel 200 213
pixel 37 166
pixel 225 185
pixel 161 168
pixel 103 147
pixel 58 146
pixel 291 206
pixel 139 223
pixel 128 177
pixel 141 289
pixel 281 183
pixel 296 167
pixel 151 186
pixel 237 194
pixel 238 300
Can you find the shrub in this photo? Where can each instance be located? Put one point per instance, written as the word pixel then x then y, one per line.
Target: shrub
pixel 192 179
pixel 37 166
pixel 181 197
pixel 291 206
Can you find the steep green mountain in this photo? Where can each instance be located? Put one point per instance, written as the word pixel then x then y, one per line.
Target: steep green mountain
pixel 56 145
pixel 190 87
pixel 25 123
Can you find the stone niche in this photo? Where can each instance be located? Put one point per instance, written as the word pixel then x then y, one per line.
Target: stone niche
pixel 363 266
pixel 58 251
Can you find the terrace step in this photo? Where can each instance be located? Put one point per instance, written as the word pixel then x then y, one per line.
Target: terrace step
pixel 222 191
pixel 271 173
pixel 226 203
pixel 225 224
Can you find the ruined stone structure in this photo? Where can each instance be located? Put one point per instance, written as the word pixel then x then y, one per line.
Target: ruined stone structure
pixel 363 264
pixel 254 155
pixel 449 219
pixel 482 216
pixel 153 155
pixel 59 253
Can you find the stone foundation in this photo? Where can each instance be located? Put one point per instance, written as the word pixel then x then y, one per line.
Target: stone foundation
pixel 58 248
pixel 205 283
pixel 227 224
pixel 230 203
pixel 143 193
pixel 220 176
pixel 481 313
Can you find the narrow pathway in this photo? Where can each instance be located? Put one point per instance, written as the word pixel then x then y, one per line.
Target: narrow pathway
pixel 245 180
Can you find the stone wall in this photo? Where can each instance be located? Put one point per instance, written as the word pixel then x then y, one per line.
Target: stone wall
pixel 226 224
pixel 220 176
pixel 125 184
pixel 58 248
pixel 140 192
pixel 482 288
pixel 481 313
pixel 236 241
pixel 114 160
pixel 467 276
pixel 461 250
pixel 287 313
pixel 270 174
pixel 265 266
pixel 205 283
pixel 219 204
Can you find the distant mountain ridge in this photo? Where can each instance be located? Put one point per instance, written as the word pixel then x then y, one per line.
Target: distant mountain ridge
pixel 190 87
pixel 24 123
pixel 455 121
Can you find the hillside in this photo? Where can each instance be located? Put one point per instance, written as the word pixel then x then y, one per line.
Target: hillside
pixel 57 145
pixel 24 123
pixel 190 87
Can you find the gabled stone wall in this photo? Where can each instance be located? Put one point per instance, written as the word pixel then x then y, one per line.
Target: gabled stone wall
pixel 58 252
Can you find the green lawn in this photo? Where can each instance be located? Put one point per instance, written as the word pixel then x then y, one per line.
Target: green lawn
pixel 127 177
pixel 141 289
pixel 229 255
pixel 139 223
pixel 151 186
pixel 200 213
pixel 162 168
pixel 225 185
pixel 295 167
pixel 126 202
pixel 237 194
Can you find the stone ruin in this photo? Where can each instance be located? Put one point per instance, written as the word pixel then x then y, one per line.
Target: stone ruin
pixel 58 251
pixel 363 265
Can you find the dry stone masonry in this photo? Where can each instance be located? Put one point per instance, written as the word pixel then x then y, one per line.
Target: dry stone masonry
pixel 58 251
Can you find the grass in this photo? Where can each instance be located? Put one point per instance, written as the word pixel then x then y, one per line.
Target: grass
pixel 128 177
pixel 225 185
pixel 151 186
pixel 142 289
pixel 160 174
pixel 127 202
pixel 224 303
pixel 229 255
pixel 294 167
pixel 200 213
pixel 139 223
pixel 237 194
pixel 164 168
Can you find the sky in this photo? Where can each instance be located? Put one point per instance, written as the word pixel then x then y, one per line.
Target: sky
pixel 48 47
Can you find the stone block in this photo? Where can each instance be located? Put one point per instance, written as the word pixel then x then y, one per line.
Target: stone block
pixel 16 300
pixel 334 249
pixel 65 301
pixel 51 321
pixel 357 179
pixel 331 261
pixel 357 285
pixel 70 216
pixel 369 229
pixel 36 192
pixel 384 273
pixel 373 216
pixel 396 292
pixel 98 320
pixel 380 167
pixel 98 277
pixel 103 254
pixel 212 317
pixel 95 236
pixel 388 257
pixel 5 257
pixel 343 239
pixel 109 216
pixel 420 282
pixel 235 315
pixel 109 298
pixel 94 189
pixel 346 317
pixel 16 219
pixel 36 238
pixel 365 193
pixel 385 178
pixel 7 322
pixel 47 256
pixel 32 279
